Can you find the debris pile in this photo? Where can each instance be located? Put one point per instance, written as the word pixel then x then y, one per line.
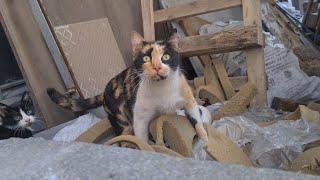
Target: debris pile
pixel 256 80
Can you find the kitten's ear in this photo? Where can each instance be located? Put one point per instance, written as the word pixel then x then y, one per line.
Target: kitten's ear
pixel 174 40
pixel 136 42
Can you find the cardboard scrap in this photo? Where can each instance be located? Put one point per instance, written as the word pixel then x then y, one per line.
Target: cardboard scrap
pixel 90 47
pixel 138 143
pixel 223 149
pixel 156 129
pixel 309 115
pixel 238 103
pixel 96 132
pixel 176 131
pixel 314 106
pixel 179 135
pixel 308 162
pixel 167 151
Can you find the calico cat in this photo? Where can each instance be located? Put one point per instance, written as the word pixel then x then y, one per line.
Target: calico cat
pixel 152 86
pixel 16 121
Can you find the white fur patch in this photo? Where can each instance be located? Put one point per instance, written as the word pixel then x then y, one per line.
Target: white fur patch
pixel 24 121
pixel 154 99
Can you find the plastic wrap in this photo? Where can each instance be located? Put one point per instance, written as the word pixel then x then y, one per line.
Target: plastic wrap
pixel 273 146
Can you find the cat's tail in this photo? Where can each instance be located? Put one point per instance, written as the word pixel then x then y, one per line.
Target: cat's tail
pixel 75 105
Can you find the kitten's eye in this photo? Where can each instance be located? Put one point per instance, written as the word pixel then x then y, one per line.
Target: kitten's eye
pixel 166 57
pixel 29 112
pixel 146 59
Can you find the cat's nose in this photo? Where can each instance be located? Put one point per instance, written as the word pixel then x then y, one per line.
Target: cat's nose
pixel 28 121
pixel 157 68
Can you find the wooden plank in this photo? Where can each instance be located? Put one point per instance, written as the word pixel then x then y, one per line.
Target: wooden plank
pixel 148 19
pixel 194 8
pixel 210 76
pixel 224 79
pixel 51 43
pixel 34 58
pixel 191 27
pixel 255 57
pixel 124 17
pixel 221 42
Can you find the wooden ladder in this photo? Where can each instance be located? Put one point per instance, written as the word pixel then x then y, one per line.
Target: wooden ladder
pixel 248 38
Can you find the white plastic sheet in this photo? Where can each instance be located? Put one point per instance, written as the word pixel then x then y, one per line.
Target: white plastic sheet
pixel 273 146
pixel 72 132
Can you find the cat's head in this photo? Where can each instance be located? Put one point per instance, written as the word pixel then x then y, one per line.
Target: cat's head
pixel 18 117
pixel 155 60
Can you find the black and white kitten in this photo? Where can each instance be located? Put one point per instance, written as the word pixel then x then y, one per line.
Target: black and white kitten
pixel 17 121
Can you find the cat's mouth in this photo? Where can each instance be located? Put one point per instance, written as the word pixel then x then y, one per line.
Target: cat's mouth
pixel 159 77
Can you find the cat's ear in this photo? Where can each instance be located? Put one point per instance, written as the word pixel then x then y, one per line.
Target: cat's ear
pixel 174 41
pixel 136 42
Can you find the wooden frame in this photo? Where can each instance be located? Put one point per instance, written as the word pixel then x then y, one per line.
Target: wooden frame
pixel 198 45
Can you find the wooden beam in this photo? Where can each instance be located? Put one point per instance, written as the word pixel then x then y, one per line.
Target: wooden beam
pixel 191 27
pixel 49 37
pixel 148 20
pixel 255 57
pixel 211 78
pixel 221 42
pixel 193 8
pixel 224 79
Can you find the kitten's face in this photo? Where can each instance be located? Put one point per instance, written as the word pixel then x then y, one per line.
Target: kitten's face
pixel 18 117
pixel 156 60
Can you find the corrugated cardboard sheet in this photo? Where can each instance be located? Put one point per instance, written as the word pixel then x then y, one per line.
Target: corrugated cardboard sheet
pixel 92 54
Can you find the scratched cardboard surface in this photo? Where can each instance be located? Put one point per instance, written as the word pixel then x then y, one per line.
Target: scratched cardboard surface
pixel 92 54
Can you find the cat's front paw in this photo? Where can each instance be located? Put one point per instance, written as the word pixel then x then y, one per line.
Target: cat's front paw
pixel 201 132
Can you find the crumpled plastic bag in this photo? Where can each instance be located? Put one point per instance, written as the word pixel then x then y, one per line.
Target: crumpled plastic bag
pixel 198 150
pixel 274 146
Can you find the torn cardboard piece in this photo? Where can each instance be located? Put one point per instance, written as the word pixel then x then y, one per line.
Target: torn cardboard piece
pixel 309 115
pixel 96 132
pixel 176 131
pixel 221 148
pixel 132 140
pixel 308 162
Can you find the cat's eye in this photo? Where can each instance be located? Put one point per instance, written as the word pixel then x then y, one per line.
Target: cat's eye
pixel 146 58
pixel 166 57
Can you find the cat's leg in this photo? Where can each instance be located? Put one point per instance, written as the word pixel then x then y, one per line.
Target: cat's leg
pixel 141 119
pixel 193 111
